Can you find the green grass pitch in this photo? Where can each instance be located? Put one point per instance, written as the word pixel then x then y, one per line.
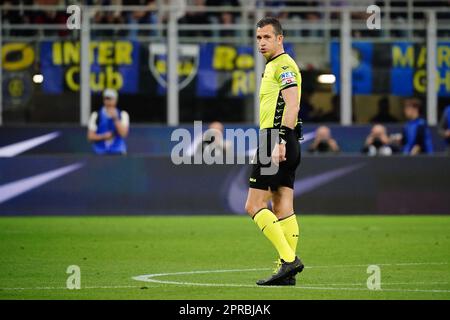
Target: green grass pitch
pixel 412 253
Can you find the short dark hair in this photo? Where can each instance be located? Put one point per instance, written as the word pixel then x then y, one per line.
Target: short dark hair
pixel 273 22
pixel 414 102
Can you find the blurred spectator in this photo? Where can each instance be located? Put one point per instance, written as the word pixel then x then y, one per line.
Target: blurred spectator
pixel 334 114
pixel 420 13
pixel 383 114
pixel 416 136
pixel 422 6
pixel 306 108
pixel 444 15
pixel 224 18
pixel 107 17
pixel 147 16
pixel 323 142
pixel 309 17
pixel 275 9
pixel 444 127
pixel 16 17
pixel 199 16
pixel 377 142
pixel 362 16
pixel 51 16
pixel 108 128
pixel 212 142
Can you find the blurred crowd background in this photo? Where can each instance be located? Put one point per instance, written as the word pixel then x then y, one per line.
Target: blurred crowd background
pixel 41 60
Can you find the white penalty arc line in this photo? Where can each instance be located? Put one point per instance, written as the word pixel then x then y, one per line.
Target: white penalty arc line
pixel 151 278
pixel 318 286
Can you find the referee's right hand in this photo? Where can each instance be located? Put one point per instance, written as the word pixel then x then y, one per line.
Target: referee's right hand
pixel 279 153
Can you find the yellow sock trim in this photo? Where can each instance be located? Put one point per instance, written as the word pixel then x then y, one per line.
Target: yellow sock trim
pixel 290 229
pixel 271 228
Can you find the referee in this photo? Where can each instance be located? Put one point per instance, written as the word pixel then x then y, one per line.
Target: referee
pixel 278 140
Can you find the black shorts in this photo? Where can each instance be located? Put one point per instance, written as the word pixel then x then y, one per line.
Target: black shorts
pixel 262 176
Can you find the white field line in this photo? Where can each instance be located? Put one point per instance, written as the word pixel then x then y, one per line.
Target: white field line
pixel 315 284
pixel 150 278
pixel 312 286
pixel 381 283
pixel 233 285
pixel 320 286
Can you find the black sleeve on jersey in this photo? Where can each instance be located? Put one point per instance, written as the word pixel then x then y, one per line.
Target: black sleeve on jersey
pixel 289 86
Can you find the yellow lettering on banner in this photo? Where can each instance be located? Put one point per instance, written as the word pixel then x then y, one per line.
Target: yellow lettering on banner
pixel 161 66
pixel 106 79
pixel 443 81
pixel 92 47
pixel 26 56
pixel 419 80
pixel 403 59
pixel 114 79
pixel 443 56
pixel 223 58
pixel 70 81
pixel 123 52
pixel 252 81
pixel 57 53
pixel 97 85
pixel 422 58
pixel 239 83
pixel 185 68
pixel 109 53
pixel 15 88
pixel 71 53
pixel 105 53
pixel 244 61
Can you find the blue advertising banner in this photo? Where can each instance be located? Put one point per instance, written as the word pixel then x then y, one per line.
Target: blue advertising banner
pixel 111 63
pixel 361 64
pixel 140 185
pixel 408 73
pixel 229 69
pixel 215 70
pixel 398 68
pixel 156 140
pixel 187 64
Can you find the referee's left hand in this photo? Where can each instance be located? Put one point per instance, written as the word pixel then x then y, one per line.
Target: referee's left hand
pixel 279 153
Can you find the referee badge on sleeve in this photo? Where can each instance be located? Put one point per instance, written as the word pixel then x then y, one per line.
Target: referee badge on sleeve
pixel 287 78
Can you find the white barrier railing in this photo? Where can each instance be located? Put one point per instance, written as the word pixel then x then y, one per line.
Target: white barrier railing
pixel 343 23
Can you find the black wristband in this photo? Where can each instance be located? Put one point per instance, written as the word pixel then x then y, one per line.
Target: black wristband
pixel 283 133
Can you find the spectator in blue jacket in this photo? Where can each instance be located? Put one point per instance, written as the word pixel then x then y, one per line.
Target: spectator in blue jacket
pixel 108 128
pixel 416 136
pixel 444 127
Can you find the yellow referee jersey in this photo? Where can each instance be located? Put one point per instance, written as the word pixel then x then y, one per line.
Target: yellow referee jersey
pixel 281 72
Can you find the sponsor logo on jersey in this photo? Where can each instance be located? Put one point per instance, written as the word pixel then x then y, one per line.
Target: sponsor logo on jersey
pixel 287 78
